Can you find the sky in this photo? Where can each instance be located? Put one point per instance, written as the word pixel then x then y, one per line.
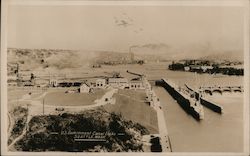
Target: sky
pixel 116 28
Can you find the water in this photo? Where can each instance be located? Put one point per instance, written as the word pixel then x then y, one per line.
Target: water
pixel 216 133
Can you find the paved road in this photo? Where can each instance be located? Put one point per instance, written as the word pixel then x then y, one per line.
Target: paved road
pixel 165 142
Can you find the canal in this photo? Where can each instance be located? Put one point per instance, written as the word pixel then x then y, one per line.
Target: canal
pixel 216 133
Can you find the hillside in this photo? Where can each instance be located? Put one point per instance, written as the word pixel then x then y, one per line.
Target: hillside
pixel 71 133
pixel 31 59
pixel 56 59
pixel 162 51
pixel 112 58
pixel 228 55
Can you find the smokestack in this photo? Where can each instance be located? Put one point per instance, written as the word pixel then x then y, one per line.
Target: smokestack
pixel 131 54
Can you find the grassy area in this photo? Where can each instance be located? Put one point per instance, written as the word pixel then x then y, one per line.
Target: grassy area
pixel 92 124
pixel 16 94
pixel 60 98
pixel 129 103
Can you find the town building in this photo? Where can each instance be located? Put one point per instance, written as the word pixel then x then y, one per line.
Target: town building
pixel 118 82
pixel 53 82
pixel 205 68
pixel 136 84
pixel 195 67
pixel 101 83
pixel 84 88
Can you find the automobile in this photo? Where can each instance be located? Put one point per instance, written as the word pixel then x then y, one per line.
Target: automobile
pixel 59 109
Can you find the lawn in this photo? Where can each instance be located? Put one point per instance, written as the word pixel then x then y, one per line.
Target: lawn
pixel 60 98
pixel 130 104
pixel 16 94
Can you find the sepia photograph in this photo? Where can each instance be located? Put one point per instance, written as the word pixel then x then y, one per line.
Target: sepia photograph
pixel 152 77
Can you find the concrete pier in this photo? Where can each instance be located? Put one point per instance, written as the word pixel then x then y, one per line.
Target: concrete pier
pixel 155 103
pixel 189 104
pixel 210 105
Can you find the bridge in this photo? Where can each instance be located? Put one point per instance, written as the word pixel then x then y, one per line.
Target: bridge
pixel 221 89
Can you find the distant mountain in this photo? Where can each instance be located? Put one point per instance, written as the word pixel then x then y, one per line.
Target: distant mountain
pixel 30 59
pixel 164 51
pixel 33 59
pixel 112 58
pixel 150 49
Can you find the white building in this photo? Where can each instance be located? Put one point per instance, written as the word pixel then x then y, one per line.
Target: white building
pixel 186 68
pixel 84 88
pixel 205 68
pixel 53 82
pixel 136 84
pixel 101 83
pixel 118 82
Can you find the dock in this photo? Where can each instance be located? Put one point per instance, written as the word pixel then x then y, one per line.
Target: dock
pixel 205 102
pixel 156 104
pixel 190 104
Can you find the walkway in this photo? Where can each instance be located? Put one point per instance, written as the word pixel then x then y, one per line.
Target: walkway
pixel 165 142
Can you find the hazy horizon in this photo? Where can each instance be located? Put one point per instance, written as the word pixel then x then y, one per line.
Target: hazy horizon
pixel 150 29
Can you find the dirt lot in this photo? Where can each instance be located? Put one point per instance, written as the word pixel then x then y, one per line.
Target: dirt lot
pixel 130 104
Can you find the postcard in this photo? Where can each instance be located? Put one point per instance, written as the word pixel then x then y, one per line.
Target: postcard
pixel 125 77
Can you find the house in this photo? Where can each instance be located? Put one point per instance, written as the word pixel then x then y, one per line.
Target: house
pixel 27 83
pixel 101 83
pixel 84 88
pixel 136 84
pixel 53 82
pixel 118 82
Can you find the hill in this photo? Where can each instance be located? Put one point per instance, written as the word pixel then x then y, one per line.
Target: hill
pixel 75 132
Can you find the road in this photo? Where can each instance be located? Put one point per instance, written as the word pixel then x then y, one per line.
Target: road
pixel 165 142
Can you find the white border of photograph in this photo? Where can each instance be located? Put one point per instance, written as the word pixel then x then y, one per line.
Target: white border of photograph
pixel 225 3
